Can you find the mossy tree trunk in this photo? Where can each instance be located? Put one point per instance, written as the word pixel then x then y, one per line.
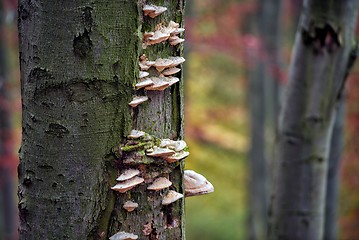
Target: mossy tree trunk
pixel 79 64
pixel 320 59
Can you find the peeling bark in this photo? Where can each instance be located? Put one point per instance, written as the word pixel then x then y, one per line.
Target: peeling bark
pixel 79 64
pixel 319 64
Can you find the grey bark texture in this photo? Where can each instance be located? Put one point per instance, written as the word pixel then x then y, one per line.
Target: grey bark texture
pixel 79 64
pixel 318 68
pixel 333 175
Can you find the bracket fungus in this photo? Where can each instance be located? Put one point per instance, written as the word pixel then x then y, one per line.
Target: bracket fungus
pixel 162 63
pixel 175 40
pixel 160 152
pixel 128 174
pixel 138 100
pixel 175 145
pixel 123 236
pixel 176 157
pixel 130 206
pixel 171 71
pixel 159 184
pixel 176 61
pixel 126 185
pixel 171 197
pixel 144 63
pixel 143 74
pixel 163 33
pixel 159 84
pixel 153 11
pixel 196 184
pixel 145 83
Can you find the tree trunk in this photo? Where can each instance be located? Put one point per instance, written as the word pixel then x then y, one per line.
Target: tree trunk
pixel 7 159
pixel 316 79
pixel 333 176
pixel 79 64
pixel 264 107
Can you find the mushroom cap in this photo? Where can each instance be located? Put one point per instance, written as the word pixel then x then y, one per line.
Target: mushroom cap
pixel 177 145
pixel 128 184
pixel 171 80
pixel 148 34
pixel 138 100
pixel 171 197
pixel 157 37
pixel 159 84
pixel 166 142
pixel 153 10
pixel 149 8
pixel 175 40
pixel 176 61
pixel 160 152
pixel 145 83
pixel 196 184
pixel 123 236
pixel 162 63
pixel 173 24
pixel 130 206
pixel 144 63
pixel 128 174
pixel 178 31
pixel 143 74
pixel 171 71
pixel 177 156
pixel 134 134
pixel 160 183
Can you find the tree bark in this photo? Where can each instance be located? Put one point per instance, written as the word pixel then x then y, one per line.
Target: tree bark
pixel 79 64
pixel 333 176
pixel 316 79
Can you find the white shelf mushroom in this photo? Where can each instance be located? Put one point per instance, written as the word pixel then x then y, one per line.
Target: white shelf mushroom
pixel 130 206
pixel 153 11
pixel 128 174
pixel 123 236
pixel 160 152
pixel 145 83
pixel 162 63
pixel 171 71
pixel 159 84
pixel 196 184
pixel 143 74
pixel 171 197
pixel 175 40
pixel 176 157
pixel 138 100
pixel 124 186
pixel 176 61
pixel 159 184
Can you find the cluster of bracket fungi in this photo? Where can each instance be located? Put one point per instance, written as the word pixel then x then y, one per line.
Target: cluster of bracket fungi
pixel 163 77
pixel 141 148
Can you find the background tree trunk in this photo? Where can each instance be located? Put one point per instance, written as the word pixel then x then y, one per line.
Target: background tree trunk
pixel 7 159
pixel 79 63
pixel 264 107
pixel 316 79
pixel 333 176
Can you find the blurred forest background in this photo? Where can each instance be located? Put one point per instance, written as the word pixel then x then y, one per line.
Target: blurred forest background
pixel 237 54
